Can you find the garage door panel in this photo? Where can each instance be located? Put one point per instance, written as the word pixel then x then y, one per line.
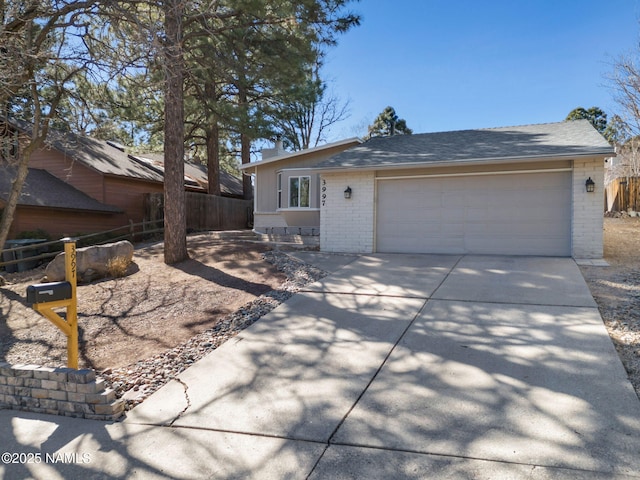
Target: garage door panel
pixel 518 214
pixel 453 229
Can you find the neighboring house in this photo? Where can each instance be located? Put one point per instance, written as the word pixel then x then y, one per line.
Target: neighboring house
pixel 195 175
pixel 103 171
pixel 512 190
pixel 287 189
pixel 52 205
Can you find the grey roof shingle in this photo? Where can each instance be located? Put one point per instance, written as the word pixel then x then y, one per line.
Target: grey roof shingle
pixel 41 189
pixel 562 139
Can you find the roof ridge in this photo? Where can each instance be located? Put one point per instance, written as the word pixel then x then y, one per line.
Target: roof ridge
pixel 487 128
pixel 533 124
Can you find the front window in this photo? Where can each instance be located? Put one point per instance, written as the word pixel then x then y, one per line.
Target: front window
pixel 299 192
pixel 279 190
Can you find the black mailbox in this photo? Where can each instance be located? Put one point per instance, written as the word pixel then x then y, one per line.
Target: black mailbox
pixel 48 292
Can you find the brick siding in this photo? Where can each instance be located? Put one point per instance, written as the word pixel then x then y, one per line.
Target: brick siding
pixel 588 209
pixel 347 225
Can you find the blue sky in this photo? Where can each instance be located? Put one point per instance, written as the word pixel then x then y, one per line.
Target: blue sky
pixel 458 64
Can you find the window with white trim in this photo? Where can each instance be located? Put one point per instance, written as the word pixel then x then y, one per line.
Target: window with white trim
pixel 279 190
pixel 299 192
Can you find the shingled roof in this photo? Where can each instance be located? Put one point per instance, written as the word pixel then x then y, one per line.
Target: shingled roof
pixel 102 156
pixel 194 174
pixel 41 189
pixel 110 158
pixel 567 139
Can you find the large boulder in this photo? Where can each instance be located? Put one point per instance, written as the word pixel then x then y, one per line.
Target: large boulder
pixel 91 262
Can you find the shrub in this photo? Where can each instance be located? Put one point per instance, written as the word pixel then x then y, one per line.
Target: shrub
pixel 117 267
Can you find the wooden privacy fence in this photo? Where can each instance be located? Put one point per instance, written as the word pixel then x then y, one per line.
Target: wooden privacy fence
pixel 205 212
pixel 623 194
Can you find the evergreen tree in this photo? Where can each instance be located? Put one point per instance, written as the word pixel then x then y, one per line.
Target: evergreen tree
pixel 387 124
pixel 595 115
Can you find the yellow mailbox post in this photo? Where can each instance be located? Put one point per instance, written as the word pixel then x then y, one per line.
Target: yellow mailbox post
pixel 45 297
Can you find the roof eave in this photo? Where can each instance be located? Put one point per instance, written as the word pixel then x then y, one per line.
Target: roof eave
pixel 288 156
pixel 72 209
pixel 465 162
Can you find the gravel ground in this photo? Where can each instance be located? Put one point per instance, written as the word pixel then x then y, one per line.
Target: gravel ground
pixel 616 289
pixel 136 382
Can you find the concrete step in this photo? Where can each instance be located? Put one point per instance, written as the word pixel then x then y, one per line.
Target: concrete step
pixel 232 235
pixel 290 239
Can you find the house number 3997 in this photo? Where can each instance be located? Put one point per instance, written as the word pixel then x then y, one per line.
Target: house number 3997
pixel 324 192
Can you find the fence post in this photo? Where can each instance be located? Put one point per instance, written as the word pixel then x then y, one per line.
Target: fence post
pixel 72 310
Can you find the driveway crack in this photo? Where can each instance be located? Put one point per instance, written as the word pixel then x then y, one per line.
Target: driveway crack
pixel 188 401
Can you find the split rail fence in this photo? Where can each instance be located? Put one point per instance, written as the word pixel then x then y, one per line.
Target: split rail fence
pixel 204 212
pixel 24 257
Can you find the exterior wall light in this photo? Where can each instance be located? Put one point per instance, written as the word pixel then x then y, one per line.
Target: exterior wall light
pixel 590 184
pixel 347 193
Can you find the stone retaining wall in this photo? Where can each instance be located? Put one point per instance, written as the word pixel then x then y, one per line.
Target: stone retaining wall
pixel 57 391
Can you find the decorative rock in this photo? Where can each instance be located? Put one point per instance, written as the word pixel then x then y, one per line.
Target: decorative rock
pixel 90 261
pixel 136 382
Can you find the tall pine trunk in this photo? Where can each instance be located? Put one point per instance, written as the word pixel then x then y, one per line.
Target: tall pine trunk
pixel 175 218
pixel 245 155
pixel 12 202
pixel 245 143
pixel 213 159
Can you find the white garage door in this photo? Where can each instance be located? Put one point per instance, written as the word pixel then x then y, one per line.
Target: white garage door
pixel 509 214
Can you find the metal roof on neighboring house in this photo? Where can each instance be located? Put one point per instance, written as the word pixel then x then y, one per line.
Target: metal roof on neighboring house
pixel 41 189
pixel 549 140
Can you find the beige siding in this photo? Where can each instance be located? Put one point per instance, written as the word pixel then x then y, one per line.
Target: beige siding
pixel 474 169
pixel 266 199
pixel 267 215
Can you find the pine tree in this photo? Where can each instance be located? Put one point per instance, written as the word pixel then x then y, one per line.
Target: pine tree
pixel 388 124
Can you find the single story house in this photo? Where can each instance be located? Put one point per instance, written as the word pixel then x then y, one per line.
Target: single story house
pixel 524 190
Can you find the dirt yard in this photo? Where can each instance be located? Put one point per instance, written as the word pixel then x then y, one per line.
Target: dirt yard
pixel 616 289
pixel 153 308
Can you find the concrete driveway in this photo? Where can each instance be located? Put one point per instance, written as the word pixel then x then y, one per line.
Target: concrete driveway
pixel 396 366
